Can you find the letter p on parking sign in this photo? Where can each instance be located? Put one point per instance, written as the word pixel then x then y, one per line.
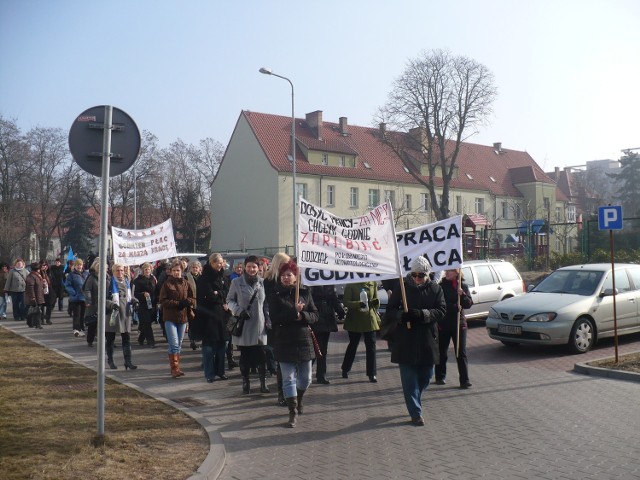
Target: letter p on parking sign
pixel 610 217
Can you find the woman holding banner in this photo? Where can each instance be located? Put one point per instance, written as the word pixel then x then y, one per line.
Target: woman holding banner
pixel 292 312
pixel 362 320
pixel 415 339
pixel 457 297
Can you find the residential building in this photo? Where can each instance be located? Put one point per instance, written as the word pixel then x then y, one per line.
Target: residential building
pixel 348 169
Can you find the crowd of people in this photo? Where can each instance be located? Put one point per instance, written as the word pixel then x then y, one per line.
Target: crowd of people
pixel 278 326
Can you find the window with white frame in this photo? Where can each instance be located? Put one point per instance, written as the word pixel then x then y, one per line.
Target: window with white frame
pixel 374 197
pixel 479 205
pixel 353 197
pixel 518 211
pixel 407 202
pixel 505 210
pixel 390 196
pixel 343 161
pixel 424 202
pixel 331 195
pixel 547 203
pixel 458 203
pixel 325 159
pixel 301 190
pixel 558 214
pixel 571 213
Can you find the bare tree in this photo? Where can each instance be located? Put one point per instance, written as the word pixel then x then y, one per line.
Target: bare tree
pixel 51 171
pixel 437 103
pixel 13 167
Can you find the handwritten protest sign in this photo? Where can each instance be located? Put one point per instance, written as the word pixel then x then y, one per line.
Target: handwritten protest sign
pixel 439 242
pixel 359 244
pixel 135 247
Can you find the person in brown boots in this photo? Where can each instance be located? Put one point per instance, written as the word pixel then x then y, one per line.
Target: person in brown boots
pixel 292 310
pixel 177 301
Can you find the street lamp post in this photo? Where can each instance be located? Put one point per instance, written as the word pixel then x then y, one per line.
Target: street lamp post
pixel 268 71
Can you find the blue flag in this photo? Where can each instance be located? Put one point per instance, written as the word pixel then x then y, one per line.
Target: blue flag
pixel 70 255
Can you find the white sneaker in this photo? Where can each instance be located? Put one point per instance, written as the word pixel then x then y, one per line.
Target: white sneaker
pixel 80 333
pixel 76 333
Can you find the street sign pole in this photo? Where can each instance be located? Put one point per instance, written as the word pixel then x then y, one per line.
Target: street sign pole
pixel 613 284
pixel 610 218
pixel 105 142
pixel 102 284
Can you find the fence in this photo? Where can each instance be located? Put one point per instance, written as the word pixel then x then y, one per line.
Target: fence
pixel 571 243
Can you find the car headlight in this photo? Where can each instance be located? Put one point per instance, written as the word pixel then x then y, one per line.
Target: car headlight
pixel 542 317
pixel 494 314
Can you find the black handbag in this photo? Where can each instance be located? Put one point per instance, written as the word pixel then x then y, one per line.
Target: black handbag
pixel 237 323
pixel 91 319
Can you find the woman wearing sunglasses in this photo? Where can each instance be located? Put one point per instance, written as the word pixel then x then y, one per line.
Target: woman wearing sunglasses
pixel 415 340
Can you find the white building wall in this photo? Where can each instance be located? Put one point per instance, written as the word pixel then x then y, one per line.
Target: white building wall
pixel 244 196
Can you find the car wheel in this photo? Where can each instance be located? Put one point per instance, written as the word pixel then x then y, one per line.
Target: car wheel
pixel 582 336
pixel 510 344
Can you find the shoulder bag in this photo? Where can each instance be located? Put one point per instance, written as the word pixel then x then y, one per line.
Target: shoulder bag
pixel 236 325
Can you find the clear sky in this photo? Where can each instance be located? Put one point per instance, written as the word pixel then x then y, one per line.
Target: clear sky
pixel 567 71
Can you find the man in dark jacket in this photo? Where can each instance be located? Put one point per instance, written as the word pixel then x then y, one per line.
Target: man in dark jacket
pixel 415 340
pixel 56 271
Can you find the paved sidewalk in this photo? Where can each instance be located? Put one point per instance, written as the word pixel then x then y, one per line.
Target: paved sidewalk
pixel 527 416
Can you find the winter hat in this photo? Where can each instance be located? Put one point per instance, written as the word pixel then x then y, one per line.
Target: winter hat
pixel 420 265
pixel 290 266
pixel 35 266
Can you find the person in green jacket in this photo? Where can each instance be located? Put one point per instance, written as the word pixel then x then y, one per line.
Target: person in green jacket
pixel 362 320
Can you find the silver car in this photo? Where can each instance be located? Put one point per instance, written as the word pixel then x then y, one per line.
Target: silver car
pixel 574 306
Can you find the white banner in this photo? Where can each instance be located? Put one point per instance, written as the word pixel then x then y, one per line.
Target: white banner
pixel 135 247
pixel 359 244
pixel 440 242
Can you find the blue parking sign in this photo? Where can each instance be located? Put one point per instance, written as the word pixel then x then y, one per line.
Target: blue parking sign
pixel 610 217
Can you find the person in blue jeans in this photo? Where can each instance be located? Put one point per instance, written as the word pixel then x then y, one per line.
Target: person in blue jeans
pixel 177 301
pixel 415 340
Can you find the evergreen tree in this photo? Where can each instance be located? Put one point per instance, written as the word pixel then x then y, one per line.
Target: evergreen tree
pixel 77 225
pixel 628 180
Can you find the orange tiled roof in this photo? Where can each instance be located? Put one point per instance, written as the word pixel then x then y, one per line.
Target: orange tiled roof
pixel 479 166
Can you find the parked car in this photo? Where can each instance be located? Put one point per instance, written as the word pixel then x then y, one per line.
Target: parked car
pixel 490 281
pixel 574 306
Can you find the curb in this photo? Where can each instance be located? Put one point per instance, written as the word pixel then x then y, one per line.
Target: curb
pixel 587 369
pixel 214 462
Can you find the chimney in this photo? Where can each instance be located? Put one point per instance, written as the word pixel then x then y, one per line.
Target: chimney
pixel 314 122
pixel 419 134
pixel 343 126
pixel 497 146
pixel 557 172
pixel 383 129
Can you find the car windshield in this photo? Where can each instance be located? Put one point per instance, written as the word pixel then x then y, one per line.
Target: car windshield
pixel 575 282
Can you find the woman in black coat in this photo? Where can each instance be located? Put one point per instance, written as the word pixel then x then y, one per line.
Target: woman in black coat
pixel 329 310
pixel 454 290
pixel 293 342
pixel 211 313
pixel 415 340
pixel 145 292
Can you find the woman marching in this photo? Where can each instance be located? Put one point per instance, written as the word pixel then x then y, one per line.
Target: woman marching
pixel 415 340
pixel 211 308
pixel 457 297
pixel 120 320
pixel 177 301
pixel 362 320
pixel 246 296
pixel 292 314
pixel 144 291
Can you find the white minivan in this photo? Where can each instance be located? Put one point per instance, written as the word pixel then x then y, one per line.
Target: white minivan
pixel 490 281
